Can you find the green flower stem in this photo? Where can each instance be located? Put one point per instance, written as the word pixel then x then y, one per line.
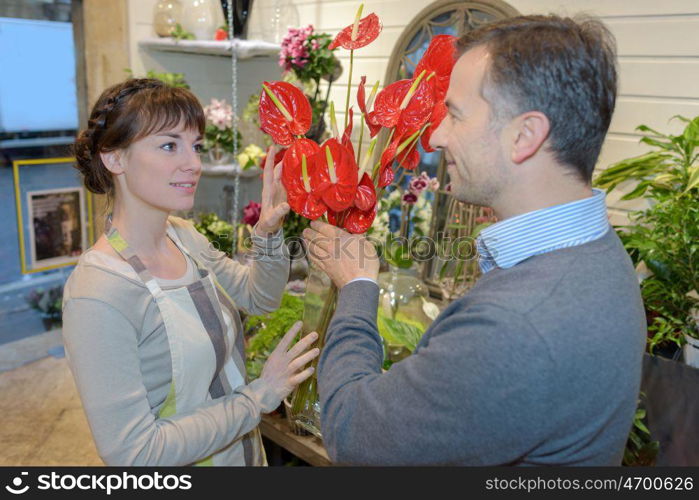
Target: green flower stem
pixel 361 138
pixel 349 87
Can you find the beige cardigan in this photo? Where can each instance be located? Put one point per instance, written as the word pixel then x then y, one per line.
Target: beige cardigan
pixel 118 351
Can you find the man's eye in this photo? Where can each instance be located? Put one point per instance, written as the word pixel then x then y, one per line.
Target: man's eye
pixel 199 148
pixel 170 146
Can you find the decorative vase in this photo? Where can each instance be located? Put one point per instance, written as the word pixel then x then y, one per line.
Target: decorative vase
pixel 319 305
pixel 202 18
pixel 218 155
pixel 275 17
pixel 241 16
pixel 405 310
pixel 166 15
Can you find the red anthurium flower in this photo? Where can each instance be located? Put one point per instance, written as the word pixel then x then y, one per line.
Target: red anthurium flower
pixel 284 112
pixel 439 58
pixel 358 35
pixel 355 221
pixel 291 164
pixel 297 175
pixel 374 127
pixel 438 114
pixel 366 193
pixel 403 149
pixel 387 105
pixel 335 175
pixel 405 104
pixel 386 176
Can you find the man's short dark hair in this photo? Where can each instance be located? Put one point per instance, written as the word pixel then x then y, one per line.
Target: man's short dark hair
pixel 562 67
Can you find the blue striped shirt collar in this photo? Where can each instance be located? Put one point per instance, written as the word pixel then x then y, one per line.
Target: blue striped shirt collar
pixel 509 242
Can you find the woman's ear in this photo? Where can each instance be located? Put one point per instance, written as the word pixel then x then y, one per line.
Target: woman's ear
pixel 531 129
pixel 112 160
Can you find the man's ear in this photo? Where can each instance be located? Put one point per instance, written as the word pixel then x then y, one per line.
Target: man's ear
pixel 112 160
pixel 530 131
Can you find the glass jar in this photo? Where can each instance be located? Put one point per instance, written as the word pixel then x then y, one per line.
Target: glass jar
pixel 405 310
pixel 166 15
pixel 202 18
pixel 275 17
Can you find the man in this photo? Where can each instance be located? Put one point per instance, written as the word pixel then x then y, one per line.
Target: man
pixel 539 364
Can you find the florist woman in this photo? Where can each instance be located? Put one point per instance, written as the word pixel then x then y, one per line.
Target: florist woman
pixel 151 327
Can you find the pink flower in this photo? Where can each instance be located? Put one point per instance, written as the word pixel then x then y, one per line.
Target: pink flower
pixel 421 182
pixel 409 198
pixel 219 113
pixel 251 213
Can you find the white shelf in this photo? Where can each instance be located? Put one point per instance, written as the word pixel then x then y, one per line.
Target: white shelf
pixel 229 170
pixel 245 49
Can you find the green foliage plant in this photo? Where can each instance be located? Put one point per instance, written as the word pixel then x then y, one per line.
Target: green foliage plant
pixel 665 236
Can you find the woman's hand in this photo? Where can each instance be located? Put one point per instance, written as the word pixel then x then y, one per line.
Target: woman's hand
pixel 281 372
pixel 274 205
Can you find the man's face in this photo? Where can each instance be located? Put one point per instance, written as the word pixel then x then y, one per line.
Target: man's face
pixel 471 143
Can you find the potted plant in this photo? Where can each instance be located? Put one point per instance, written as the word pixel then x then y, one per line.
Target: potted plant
pixel 219 137
pixel 664 238
pixel 49 303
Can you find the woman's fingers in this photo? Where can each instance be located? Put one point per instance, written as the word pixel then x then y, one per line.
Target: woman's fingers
pixel 303 360
pixel 300 377
pixel 303 344
pixel 285 342
pixel 268 177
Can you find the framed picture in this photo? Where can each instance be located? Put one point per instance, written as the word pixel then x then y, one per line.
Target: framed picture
pixel 53 214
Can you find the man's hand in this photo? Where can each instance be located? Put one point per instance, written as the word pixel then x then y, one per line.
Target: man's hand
pixel 274 205
pixel 342 256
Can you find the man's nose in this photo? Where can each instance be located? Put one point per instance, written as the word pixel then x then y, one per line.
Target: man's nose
pixel 436 140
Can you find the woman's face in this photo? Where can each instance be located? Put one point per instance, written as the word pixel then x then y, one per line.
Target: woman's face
pixel 163 169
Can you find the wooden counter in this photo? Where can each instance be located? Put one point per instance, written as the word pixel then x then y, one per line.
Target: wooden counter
pixel 307 448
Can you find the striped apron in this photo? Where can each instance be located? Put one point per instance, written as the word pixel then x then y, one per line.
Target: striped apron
pixel 205 336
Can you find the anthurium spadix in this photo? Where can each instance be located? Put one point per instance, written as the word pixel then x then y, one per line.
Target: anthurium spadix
pixel 285 112
pixel 335 172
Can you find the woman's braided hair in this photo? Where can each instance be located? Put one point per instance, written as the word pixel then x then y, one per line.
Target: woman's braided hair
pixel 127 112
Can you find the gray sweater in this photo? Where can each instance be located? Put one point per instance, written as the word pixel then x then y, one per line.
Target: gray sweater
pixel 118 351
pixel 538 364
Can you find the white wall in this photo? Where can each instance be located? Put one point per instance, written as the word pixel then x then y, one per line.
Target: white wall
pixel 658 46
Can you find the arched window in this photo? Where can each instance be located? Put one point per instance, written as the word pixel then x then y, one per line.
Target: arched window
pixel 440 17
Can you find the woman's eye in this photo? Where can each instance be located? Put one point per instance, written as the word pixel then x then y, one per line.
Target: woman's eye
pixel 170 146
pixel 199 148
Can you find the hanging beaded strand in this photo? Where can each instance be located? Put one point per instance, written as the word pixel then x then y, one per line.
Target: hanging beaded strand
pixel 234 103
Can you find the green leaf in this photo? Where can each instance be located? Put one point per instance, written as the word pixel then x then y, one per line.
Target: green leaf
pixel 646 128
pixel 693 178
pixel 668 146
pixel 480 227
pixel 639 191
pixel 403 332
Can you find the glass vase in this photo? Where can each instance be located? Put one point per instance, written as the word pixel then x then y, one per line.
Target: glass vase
pixel 405 310
pixel 166 15
pixel 202 18
pixel 319 305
